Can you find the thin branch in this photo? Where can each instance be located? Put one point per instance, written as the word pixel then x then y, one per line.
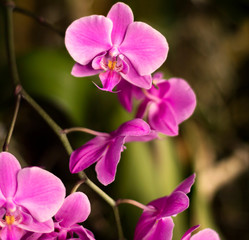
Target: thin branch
pixel 135 203
pixel 85 130
pixel 12 125
pixel 39 19
pixel 10 42
pixel 54 126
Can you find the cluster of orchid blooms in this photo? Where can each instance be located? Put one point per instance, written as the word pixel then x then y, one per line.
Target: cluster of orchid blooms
pixel 125 54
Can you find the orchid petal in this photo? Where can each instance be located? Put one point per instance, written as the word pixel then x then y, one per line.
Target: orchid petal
pixel 162 230
pixel 146 138
pixel 144 225
pixel 87 154
pixel 134 127
pixel 142 108
pixel 182 99
pixel 84 70
pixel 145 47
pixel 44 194
pixel 106 167
pixel 38 227
pixel 121 16
pixel 109 80
pixel 161 118
pixel 75 209
pixel 170 205
pixel 124 92
pixel 187 234
pixel 11 233
pixel 186 185
pixel 9 167
pixel 83 233
pixel 133 77
pixel 206 234
pixel 96 62
pixel 87 37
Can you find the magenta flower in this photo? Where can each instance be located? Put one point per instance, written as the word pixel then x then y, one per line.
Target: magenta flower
pixel 105 149
pixel 205 234
pixel 75 209
pixel 115 47
pixel 29 197
pixel 156 220
pixel 166 105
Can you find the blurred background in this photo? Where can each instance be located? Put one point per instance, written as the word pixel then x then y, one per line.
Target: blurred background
pixel 209 47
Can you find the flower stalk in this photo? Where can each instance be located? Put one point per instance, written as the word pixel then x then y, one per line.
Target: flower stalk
pixel 21 93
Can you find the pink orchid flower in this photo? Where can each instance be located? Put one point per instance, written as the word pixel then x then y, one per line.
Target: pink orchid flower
pixel 115 47
pixel 156 220
pixel 166 105
pixel 29 198
pixel 205 234
pixel 105 149
pixel 75 209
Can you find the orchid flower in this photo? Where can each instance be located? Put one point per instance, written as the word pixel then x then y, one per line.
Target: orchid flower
pixel 29 198
pixel 75 209
pixel 167 104
pixel 205 234
pixel 115 47
pixel 105 149
pixel 156 220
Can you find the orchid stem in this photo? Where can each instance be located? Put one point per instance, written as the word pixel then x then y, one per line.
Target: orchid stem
pixel 134 203
pixel 21 93
pixel 12 125
pixel 86 130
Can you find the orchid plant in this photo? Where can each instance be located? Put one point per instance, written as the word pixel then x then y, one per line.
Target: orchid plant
pixel 124 53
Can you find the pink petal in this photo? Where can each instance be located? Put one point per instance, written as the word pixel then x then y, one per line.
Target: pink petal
pixel 134 127
pixel 146 138
pixel 182 99
pixel 161 118
pixel 84 70
pixel 133 77
pixel 124 92
pixel 145 47
pixel 144 225
pixel 187 234
pixel 170 205
pixel 9 167
pixel 39 191
pixel 87 37
pixel 75 209
pixel 142 108
pixel 87 154
pixel 206 234
pixel 11 233
pixel 186 185
pixel 33 225
pixel 83 233
pixel 121 16
pixel 109 80
pixel 106 167
pixel 162 230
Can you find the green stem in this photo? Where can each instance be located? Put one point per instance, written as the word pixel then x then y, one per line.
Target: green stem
pixel 54 126
pixel 12 125
pixel 85 130
pixel 10 42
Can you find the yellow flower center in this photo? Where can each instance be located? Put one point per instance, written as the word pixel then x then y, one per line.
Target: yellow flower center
pixel 9 219
pixel 112 64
